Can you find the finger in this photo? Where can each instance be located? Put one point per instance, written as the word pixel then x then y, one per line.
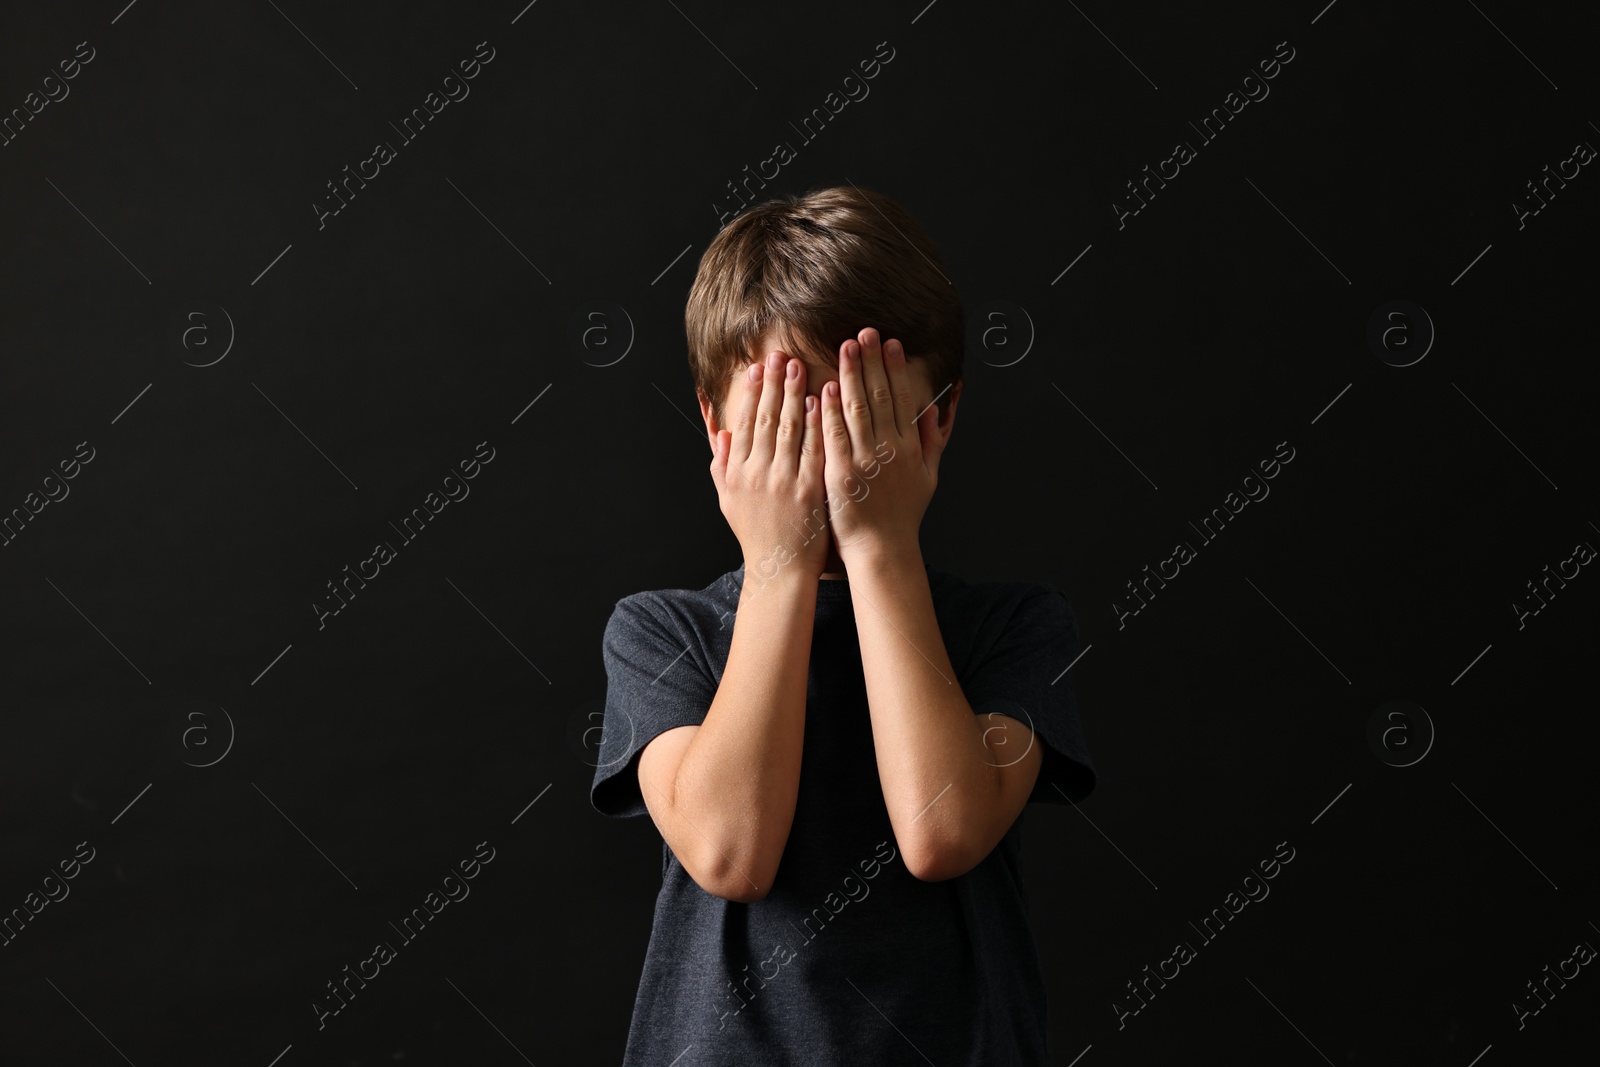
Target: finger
pixel 835 433
pixel 742 418
pixel 811 444
pixel 899 377
pixel 765 431
pixel 875 382
pixel 853 401
pixel 791 418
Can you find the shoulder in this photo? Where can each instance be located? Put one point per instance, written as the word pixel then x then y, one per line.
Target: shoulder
pixel 672 614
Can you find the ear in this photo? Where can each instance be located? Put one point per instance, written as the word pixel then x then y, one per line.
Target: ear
pixel 936 432
pixel 709 419
pixel 947 423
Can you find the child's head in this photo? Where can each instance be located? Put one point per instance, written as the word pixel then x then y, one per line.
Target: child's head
pixel 804 274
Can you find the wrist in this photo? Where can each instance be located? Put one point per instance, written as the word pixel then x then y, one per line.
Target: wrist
pixel 878 555
pixel 780 569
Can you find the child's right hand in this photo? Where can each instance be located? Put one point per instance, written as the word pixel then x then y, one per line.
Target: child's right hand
pixel 767 468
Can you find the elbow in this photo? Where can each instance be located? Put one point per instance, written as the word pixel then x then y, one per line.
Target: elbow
pixel 954 840
pixel 742 882
pixel 727 858
pixel 738 891
pixel 935 861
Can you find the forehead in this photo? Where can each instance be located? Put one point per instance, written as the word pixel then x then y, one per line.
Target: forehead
pixel 773 340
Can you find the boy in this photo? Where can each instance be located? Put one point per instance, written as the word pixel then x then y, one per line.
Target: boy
pixel 835 703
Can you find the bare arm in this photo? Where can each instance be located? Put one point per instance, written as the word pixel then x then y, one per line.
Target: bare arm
pixel 723 793
pixel 953 782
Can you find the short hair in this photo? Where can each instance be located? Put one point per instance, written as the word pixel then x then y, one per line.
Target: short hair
pixel 822 267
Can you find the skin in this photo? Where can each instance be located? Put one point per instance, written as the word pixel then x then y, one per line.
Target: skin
pixel 815 374
pixel 953 783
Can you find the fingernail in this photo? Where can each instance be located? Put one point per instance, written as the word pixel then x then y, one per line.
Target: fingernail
pixel 794 368
pixel 754 374
pixel 811 404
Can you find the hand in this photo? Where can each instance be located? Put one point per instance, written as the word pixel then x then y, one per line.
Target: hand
pixel 882 456
pixel 768 471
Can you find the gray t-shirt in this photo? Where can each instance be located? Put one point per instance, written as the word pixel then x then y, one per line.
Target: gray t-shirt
pixel 849 959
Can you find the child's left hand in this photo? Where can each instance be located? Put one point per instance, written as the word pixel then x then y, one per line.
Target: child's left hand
pixel 881 461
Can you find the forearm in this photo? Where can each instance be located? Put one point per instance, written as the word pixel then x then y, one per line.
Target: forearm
pixel 936 773
pixel 739 776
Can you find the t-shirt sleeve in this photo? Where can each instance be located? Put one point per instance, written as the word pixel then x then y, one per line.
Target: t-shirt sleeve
pixel 1023 676
pixel 656 680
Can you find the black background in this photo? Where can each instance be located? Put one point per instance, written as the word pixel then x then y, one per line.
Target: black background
pixel 172 588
